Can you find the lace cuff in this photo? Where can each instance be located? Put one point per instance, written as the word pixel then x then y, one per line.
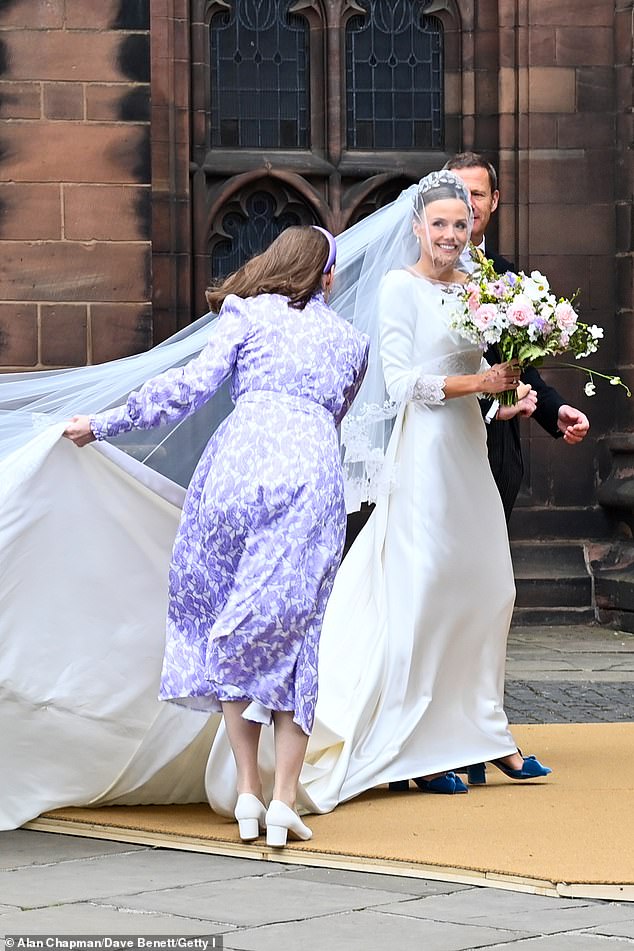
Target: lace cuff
pixel 427 388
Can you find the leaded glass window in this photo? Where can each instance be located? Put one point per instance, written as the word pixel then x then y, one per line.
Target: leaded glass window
pixel 260 76
pixel 394 77
pixel 249 228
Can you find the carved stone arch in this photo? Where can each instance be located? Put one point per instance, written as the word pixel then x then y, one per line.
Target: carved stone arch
pixel 250 211
pixel 373 194
pixel 233 186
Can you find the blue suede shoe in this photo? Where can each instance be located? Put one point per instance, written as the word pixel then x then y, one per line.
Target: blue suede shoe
pixel 447 785
pixel 532 769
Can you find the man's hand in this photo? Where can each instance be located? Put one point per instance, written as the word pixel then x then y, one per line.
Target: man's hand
pixel 525 406
pixel 78 431
pixel 573 424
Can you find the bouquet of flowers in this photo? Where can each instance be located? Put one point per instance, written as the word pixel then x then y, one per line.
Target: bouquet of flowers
pixel 519 314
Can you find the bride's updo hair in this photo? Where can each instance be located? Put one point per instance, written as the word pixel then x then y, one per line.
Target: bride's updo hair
pixel 291 266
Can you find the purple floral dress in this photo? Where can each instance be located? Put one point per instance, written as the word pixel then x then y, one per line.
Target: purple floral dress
pixel 263 523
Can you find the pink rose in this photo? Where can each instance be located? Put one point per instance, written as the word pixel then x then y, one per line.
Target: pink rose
pixel 473 298
pixel 565 315
pixel 521 312
pixel 485 315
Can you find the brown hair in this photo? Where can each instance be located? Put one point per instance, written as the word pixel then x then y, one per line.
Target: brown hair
pixel 292 266
pixel 473 160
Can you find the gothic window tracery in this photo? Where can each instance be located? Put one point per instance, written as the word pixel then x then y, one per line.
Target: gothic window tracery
pixel 247 225
pixel 394 77
pixel 260 82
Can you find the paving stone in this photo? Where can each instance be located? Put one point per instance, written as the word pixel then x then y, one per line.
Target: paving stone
pixel 131 873
pixel 258 901
pixel 365 931
pixel 23 847
pixel 385 883
pixel 566 942
pixel 535 914
pixel 569 702
pixel 93 919
pixel 624 929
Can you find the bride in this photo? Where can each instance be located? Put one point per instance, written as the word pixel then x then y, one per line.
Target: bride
pixel 412 652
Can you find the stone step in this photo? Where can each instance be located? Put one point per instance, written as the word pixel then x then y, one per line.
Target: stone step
pixel 553 616
pixel 553 592
pixel 548 560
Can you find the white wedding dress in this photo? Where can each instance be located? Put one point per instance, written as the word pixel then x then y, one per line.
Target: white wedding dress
pixel 412 653
pixel 413 648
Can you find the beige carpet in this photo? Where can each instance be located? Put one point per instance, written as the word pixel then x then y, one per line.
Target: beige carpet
pixel 572 833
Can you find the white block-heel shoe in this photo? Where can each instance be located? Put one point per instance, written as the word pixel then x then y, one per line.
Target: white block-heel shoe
pixel 281 821
pixel 251 816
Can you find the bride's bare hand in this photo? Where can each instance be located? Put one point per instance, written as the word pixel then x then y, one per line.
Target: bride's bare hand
pixel 78 431
pixel 501 377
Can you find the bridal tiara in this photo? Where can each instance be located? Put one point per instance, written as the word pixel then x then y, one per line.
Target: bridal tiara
pixel 443 177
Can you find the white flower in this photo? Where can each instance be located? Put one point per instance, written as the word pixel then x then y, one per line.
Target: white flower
pixel 532 288
pixel 615 380
pixel 595 332
pixel 590 388
pixel 541 280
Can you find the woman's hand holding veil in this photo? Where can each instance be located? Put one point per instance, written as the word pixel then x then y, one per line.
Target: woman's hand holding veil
pixel 78 431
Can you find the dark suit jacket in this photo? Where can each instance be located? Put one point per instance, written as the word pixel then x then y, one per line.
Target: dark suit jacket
pixel 503 438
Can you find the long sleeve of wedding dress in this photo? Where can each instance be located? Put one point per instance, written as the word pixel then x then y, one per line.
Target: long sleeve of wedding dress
pixel 399 316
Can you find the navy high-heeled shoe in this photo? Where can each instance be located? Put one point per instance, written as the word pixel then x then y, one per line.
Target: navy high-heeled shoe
pixel 532 769
pixel 449 784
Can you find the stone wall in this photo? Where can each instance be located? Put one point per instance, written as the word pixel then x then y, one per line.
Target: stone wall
pixel 74 181
pixel 559 117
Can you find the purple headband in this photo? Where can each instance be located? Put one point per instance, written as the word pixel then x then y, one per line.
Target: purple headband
pixel 332 244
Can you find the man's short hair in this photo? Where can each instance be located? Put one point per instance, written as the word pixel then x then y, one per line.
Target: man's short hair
pixel 473 160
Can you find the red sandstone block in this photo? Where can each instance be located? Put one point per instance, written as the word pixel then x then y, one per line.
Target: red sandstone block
pixel 623 37
pixel 33 14
pixel 569 177
pixel 564 12
pixel 63 335
pixel 30 211
pixel 595 88
pixel 70 271
pixel 572 131
pixel 18 334
pixel 107 212
pixel 552 89
pixel 60 54
pixel 119 330
pixel 63 100
pixel 20 100
pixel 486 45
pixel 585 46
pixel 543 131
pixel 571 229
pixel 93 16
pixel 73 152
pixel 103 101
pixel 541 46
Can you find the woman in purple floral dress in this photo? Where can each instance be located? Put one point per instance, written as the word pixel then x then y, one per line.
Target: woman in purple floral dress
pixel 263 522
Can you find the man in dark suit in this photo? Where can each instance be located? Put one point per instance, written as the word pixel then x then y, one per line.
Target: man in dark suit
pixel 552 412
